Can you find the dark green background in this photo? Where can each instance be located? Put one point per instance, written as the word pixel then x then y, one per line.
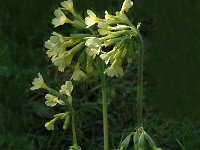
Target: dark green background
pixel 172 82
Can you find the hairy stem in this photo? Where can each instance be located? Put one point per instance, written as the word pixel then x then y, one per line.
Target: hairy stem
pixel 140 81
pixel 104 101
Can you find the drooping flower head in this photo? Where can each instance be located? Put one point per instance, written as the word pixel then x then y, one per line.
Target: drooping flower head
pixel 65 58
pixel 38 83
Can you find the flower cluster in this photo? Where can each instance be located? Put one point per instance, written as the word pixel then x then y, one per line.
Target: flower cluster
pixel 116 32
pixel 61 49
pixel 54 98
pixel 61 18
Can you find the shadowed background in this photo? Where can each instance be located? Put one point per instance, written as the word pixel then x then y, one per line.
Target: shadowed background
pixel 172 83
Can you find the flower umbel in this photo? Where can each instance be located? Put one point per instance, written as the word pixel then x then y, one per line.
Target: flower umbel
pixel 67 88
pixel 38 83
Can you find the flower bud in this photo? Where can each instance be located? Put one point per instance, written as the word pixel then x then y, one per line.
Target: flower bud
pixel 50 125
pixel 89 68
pixel 66 122
pixel 78 74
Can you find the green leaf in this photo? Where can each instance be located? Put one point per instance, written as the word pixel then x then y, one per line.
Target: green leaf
pixel 125 143
pixel 149 140
pixel 141 142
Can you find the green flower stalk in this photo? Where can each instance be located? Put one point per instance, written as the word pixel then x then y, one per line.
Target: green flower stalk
pixel 104 102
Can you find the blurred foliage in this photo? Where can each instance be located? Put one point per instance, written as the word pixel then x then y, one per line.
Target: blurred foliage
pixel 171 31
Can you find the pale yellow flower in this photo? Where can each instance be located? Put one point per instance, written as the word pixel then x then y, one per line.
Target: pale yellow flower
pixel 60 18
pixel 78 74
pixel 111 19
pixel 52 100
pixel 63 60
pixel 50 125
pixel 93 45
pixel 51 52
pixel 138 25
pixel 115 69
pixel 68 5
pixel 109 56
pixel 58 41
pixel 67 88
pixel 58 38
pixel 104 29
pixel 91 19
pixel 38 83
pixel 65 57
pixel 56 44
pixel 108 16
pixel 126 6
pixel 120 27
pixel 105 57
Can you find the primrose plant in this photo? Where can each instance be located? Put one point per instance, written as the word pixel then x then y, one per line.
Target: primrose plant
pixel 101 44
